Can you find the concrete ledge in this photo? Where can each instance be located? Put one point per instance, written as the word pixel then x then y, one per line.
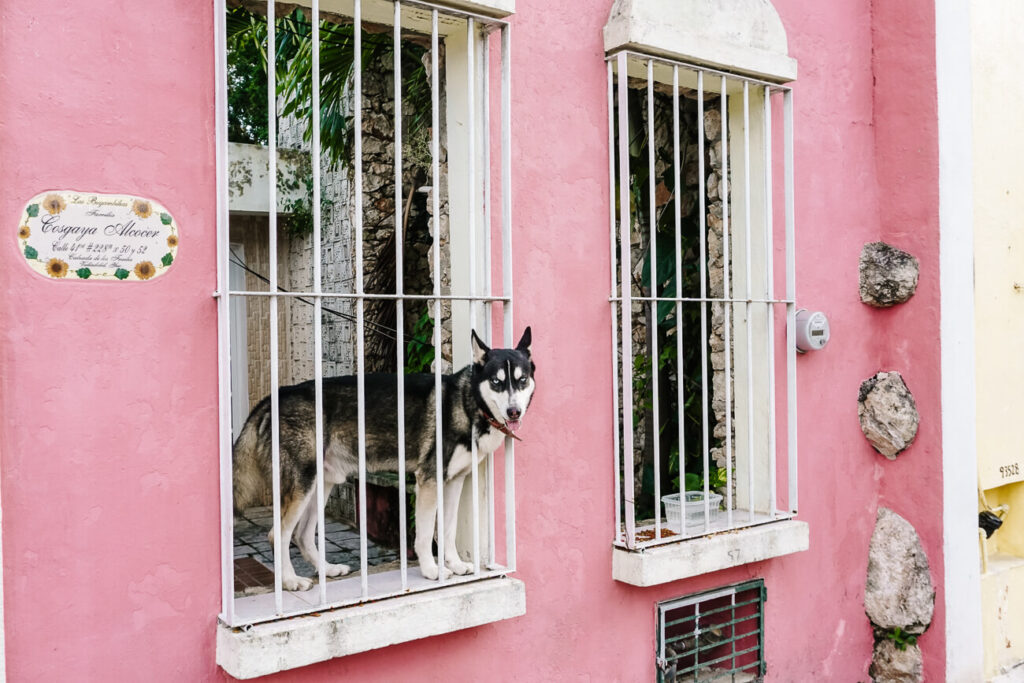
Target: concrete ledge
pixel 743 36
pixel 674 561
pixel 493 8
pixel 291 643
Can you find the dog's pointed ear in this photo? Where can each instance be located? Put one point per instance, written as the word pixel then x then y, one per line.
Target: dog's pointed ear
pixel 479 349
pixel 524 342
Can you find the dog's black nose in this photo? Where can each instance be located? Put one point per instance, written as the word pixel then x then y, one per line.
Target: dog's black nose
pixel 513 413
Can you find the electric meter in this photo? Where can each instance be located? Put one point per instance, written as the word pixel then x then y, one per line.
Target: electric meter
pixel 811 330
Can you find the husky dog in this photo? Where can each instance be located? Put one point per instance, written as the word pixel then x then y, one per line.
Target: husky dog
pixel 483 403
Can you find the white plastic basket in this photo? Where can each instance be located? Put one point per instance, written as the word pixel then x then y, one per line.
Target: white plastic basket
pixel 694 510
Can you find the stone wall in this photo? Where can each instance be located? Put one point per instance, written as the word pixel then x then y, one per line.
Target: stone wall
pixel 379 257
pixel 717 195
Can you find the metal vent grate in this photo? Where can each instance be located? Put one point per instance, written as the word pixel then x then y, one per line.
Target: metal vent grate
pixel 714 636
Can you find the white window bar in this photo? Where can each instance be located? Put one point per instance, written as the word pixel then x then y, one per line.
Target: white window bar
pixel 615 334
pixel 791 407
pixel 357 124
pixel 728 294
pixel 677 209
pixel 506 273
pixel 318 313
pixel 399 303
pixel 471 191
pixel 748 321
pixel 755 388
pixel 275 411
pixel 769 287
pixel 701 194
pixel 435 193
pixel 485 68
pixel 626 307
pixel 242 610
pixel 227 531
pixel 652 215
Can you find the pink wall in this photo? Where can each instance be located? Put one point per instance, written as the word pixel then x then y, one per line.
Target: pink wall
pixel 108 445
pixel 109 395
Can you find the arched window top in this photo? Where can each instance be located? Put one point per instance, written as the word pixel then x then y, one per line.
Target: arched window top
pixel 741 36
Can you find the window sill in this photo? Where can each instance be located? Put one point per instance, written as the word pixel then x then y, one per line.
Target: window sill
pixel 290 643
pixel 697 556
pixel 491 8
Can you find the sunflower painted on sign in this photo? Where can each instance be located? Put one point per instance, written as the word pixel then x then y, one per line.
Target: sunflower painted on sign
pixel 172 241
pixel 144 270
pixel 54 204
pixel 142 208
pixel 56 268
pixel 24 232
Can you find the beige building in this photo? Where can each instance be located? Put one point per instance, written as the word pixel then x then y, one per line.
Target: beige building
pixel 997 100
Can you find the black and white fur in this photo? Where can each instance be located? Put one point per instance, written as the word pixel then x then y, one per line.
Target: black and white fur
pixel 497 386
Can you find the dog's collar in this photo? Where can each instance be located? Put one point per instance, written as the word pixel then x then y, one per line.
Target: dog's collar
pixel 499 426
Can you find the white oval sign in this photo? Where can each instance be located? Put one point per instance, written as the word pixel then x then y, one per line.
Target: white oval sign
pixel 87 236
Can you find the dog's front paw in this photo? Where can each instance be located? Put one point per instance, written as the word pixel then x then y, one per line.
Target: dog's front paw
pixel 333 570
pixel 430 571
pixel 296 583
pixel 459 567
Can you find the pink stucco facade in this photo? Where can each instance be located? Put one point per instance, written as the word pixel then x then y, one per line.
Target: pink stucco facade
pixel 108 444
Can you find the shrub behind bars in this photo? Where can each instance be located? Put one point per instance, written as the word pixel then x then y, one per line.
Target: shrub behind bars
pixel 482 403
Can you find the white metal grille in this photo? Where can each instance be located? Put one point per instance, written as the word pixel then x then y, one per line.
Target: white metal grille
pixel 705 322
pixel 477 37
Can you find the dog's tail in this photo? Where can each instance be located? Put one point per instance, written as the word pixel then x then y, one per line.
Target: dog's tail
pixel 251 458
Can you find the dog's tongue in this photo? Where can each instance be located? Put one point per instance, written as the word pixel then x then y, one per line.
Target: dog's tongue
pixel 513 425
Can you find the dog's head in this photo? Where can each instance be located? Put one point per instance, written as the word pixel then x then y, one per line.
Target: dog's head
pixel 503 380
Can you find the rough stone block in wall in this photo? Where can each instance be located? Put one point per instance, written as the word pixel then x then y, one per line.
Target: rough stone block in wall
pixel 889 664
pixel 887 413
pixel 712 124
pixel 888 276
pixel 899 590
pixel 716 342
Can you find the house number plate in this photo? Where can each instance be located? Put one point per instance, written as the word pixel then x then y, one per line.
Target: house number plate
pixel 68 235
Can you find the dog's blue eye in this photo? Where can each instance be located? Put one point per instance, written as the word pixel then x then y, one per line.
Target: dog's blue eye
pixel 495 381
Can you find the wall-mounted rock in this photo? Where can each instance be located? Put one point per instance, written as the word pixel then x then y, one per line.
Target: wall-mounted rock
pixel 888 276
pixel 888 414
pixel 889 664
pixel 899 591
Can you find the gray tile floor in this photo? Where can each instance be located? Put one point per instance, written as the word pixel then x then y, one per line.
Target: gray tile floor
pixel 251 529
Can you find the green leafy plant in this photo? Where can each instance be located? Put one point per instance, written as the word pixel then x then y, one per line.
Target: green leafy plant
pixel 900 638
pixel 247 101
pixel 419 350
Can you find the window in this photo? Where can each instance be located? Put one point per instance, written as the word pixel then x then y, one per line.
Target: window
pixel 713 636
pixel 358 220
pixel 702 297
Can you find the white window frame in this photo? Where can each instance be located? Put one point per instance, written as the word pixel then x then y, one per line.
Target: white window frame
pixel 249 632
pixel 749 281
